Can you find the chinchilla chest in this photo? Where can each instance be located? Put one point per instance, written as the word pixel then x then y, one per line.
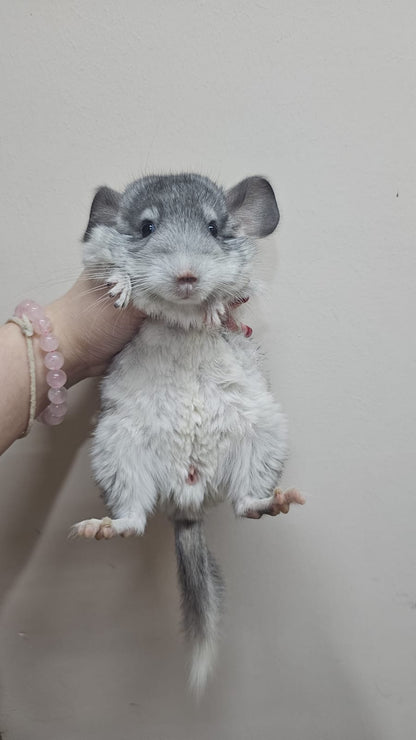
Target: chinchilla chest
pixel 184 398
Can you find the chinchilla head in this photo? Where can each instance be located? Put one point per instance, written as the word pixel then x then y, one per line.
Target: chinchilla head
pixel 183 241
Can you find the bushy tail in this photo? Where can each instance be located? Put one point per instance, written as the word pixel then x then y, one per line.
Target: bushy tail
pixel 202 590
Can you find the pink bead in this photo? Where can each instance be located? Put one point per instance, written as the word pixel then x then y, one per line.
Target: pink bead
pixel 48 342
pixel 29 308
pixel 48 418
pixel 42 325
pixel 34 312
pixel 53 360
pixel 56 378
pixel 20 308
pixel 57 395
pixel 57 409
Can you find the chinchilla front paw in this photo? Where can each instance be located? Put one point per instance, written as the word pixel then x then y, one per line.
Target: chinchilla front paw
pixel 215 315
pixel 120 286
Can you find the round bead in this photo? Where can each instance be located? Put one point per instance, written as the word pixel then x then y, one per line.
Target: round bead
pixel 57 409
pixel 56 378
pixel 34 313
pixel 57 395
pixel 29 308
pixel 42 325
pixel 53 360
pixel 48 418
pixel 48 342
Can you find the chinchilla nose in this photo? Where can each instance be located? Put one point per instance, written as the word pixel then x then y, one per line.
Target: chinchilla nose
pixel 186 278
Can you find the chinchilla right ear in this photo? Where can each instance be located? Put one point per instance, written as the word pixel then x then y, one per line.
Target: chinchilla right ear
pixel 252 206
pixel 103 210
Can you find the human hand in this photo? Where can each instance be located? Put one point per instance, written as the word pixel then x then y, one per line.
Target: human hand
pixel 90 329
pixel 234 325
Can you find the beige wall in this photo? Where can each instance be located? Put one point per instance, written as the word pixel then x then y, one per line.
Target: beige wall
pixel 319 633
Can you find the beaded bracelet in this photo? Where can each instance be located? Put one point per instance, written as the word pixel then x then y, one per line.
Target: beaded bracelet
pixel 31 319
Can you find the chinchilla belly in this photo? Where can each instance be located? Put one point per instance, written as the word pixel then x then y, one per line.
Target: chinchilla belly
pixel 182 403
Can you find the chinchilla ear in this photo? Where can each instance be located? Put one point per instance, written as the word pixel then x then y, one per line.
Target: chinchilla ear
pixel 252 206
pixel 103 210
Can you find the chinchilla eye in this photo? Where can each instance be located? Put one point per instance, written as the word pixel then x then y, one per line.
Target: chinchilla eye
pixel 147 227
pixel 213 228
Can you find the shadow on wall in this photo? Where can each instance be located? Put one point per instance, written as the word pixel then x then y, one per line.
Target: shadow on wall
pixel 33 482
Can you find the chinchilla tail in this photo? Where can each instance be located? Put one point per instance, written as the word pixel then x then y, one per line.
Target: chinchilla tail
pixel 202 593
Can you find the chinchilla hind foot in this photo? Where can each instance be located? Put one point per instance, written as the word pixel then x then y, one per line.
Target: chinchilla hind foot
pixel 278 503
pixel 104 529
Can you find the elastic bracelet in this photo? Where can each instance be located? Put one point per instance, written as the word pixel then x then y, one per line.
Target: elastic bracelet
pixel 31 319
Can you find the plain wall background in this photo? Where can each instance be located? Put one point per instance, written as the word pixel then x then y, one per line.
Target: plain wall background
pixel 319 634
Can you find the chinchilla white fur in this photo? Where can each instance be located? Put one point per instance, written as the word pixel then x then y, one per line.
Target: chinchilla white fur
pixel 187 418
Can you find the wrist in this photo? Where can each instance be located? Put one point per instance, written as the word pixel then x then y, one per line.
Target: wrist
pixel 63 329
pixel 46 375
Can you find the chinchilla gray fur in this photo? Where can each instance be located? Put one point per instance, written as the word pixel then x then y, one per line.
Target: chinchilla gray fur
pixel 187 418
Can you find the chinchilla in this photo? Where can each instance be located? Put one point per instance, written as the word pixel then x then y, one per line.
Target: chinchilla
pixel 187 418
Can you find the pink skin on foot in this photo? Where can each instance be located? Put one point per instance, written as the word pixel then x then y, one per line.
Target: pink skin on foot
pixel 280 504
pixel 100 529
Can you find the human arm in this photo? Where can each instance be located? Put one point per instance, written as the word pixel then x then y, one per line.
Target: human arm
pixel 90 332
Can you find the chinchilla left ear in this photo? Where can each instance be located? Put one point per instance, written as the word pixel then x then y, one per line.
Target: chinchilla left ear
pixel 104 210
pixel 252 206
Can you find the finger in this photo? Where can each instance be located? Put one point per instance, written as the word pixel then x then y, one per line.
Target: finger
pixel 247 330
pixel 231 324
pixel 238 301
